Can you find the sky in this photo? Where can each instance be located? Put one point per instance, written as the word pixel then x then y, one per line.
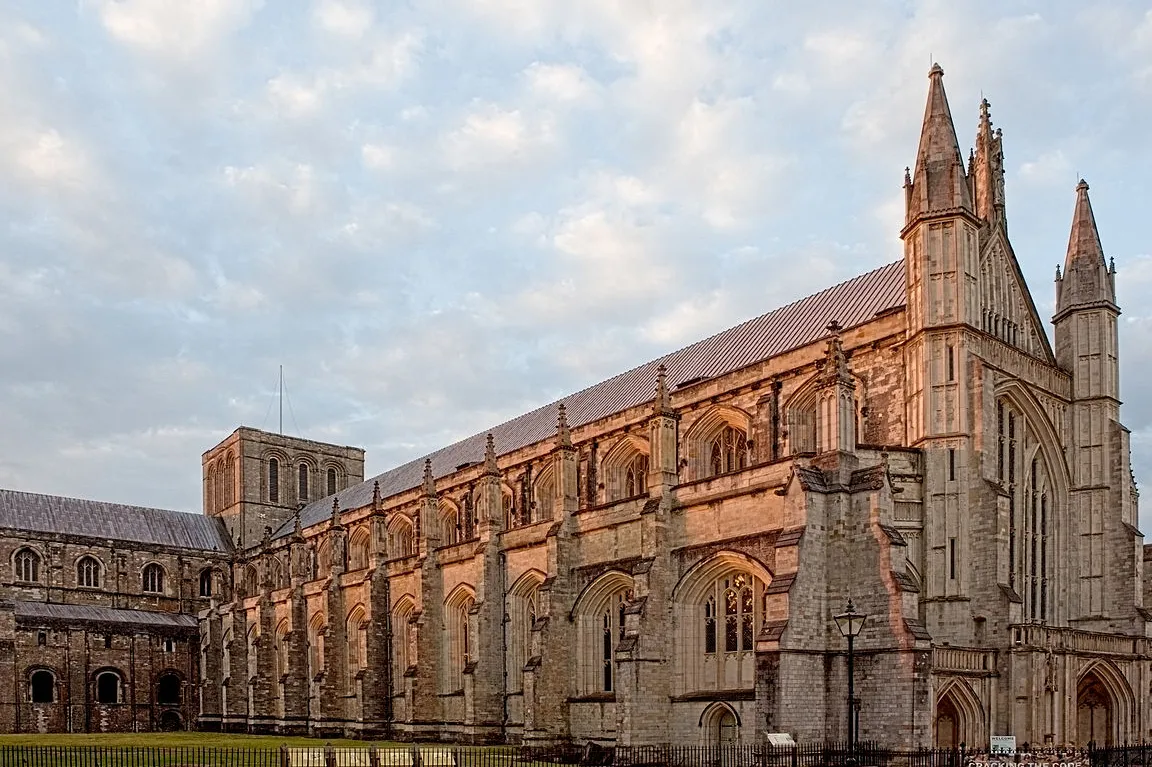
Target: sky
pixel 439 214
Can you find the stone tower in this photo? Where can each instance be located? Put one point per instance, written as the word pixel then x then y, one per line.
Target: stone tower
pixel 941 256
pixel 254 479
pixel 1086 347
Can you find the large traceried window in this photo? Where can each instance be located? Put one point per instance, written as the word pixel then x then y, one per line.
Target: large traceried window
pixel 523 609
pixel 727 451
pixel 88 572
pixel 1025 474
pixel 600 623
pixel 457 644
pixel 27 563
pixel 719 608
pixel 718 442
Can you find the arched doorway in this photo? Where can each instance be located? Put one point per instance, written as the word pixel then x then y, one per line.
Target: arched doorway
pixel 168 689
pixel 1094 711
pixel 721 726
pixel 947 723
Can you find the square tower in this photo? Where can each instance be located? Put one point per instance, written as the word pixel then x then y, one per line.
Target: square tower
pixel 255 479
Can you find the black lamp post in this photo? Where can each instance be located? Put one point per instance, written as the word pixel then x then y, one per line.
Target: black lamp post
pixel 850 624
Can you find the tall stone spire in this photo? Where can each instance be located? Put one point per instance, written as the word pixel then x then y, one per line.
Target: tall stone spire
pixel 987 174
pixel 939 183
pixel 1087 279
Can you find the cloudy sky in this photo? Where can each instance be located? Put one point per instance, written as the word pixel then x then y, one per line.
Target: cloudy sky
pixel 437 214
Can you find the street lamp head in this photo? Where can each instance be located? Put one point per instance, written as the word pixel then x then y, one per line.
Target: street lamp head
pixel 850 622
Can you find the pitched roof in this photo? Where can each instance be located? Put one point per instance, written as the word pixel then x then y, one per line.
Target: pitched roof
pixel 850 303
pixel 89 614
pixel 96 519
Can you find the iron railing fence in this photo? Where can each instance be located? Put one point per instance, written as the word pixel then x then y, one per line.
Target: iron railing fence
pixel 437 755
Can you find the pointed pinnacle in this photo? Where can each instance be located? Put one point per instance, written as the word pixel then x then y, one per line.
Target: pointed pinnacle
pixel 429 481
pixel 1112 265
pixel 1059 275
pixel 563 433
pixel 375 493
pixel 335 512
pixel 490 457
pixel 907 176
pixel 662 404
pixel 296 527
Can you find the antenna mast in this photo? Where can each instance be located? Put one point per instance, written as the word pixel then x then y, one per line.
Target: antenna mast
pixel 281 432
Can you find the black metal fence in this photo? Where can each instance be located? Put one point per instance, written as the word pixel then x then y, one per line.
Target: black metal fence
pixel 434 755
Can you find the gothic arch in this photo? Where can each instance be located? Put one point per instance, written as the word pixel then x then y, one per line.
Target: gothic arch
pixel 625 467
pixel 543 496
pixel 719 724
pixel 457 647
pixel 718 606
pixel 694 582
pixel 403 637
pixel 359 546
pixel 1018 395
pixel 1102 684
pixel 28 560
pixel 272 479
pixel 711 426
pixel 401 537
pixel 600 589
pixel 523 609
pixel 957 699
pixel 451 523
pixel 356 635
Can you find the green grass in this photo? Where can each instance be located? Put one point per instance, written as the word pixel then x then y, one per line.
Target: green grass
pixel 178 740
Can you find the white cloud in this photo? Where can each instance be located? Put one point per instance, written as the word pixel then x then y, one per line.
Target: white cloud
pixel 182 30
pixel 492 136
pixel 378 156
pixel 560 82
pixel 1047 168
pixel 343 18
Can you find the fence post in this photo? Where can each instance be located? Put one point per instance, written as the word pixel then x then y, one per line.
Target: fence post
pixel 373 756
pixel 284 761
pixel 329 755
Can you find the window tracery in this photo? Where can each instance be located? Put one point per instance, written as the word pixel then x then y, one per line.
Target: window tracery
pixel 27 563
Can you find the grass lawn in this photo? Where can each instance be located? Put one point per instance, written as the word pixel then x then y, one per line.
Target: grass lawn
pixel 178 740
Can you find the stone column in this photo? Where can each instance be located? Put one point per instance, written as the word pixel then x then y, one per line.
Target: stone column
pixel 426 712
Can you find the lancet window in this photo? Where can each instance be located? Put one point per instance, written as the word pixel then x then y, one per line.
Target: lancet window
pixel 600 618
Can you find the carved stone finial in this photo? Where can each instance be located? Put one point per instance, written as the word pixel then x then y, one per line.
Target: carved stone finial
pixel 907 176
pixel 834 366
pixel 1112 265
pixel 1059 275
pixel 296 526
pixel 335 512
pixel 490 467
pixel 376 495
pixel 563 433
pixel 663 402
pixel 429 481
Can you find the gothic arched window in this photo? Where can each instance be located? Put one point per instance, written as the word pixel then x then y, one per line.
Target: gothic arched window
pixel 153 578
pixel 332 477
pixel 600 618
pixel 636 476
pixel 206 583
pixel 545 497
pixel 727 451
pixel 523 609
pixel 274 480
pixel 88 572
pixel 719 612
pixel 457 649
pixel 27 563
pixel 108 686
pixel 302 481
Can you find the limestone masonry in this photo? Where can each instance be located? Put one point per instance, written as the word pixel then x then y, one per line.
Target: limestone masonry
pixel 659 558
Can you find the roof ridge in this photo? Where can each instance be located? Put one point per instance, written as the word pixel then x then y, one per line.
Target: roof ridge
pixel 97 500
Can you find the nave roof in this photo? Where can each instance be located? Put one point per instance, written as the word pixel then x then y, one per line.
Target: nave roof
pixel 798 324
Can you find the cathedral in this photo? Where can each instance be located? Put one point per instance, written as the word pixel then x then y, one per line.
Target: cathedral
pixel 661 557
